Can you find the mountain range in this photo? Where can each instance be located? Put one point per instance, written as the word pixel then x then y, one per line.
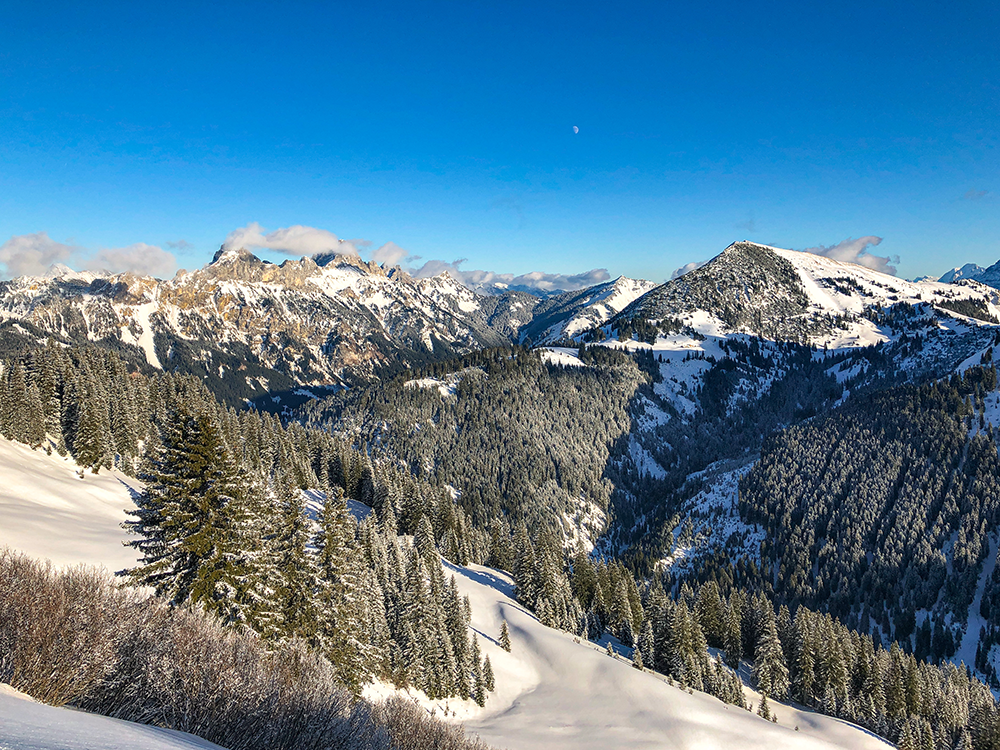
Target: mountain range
pixel 333 319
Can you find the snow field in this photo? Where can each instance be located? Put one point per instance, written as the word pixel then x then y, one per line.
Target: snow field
pixel 49 511
pixel 27 725
pixel 555 692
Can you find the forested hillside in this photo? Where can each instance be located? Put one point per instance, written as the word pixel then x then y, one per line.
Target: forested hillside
pixel 223 524
pixel 512 434
pixel 885 513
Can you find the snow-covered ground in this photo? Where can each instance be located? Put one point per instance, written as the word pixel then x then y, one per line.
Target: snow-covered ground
pixel 560 355
pixel 552 691
pixel 27 725
pixel 52 509
pixel 555 692
pixel 448 386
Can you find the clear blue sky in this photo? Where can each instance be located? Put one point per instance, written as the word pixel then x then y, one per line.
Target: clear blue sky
pixel 448 128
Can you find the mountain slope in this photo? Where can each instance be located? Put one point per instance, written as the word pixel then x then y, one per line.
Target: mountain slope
pixel 261 327
pixel 573 695
pixel 27 725
pixel 552 692
pixel 571 313
pixel 788 295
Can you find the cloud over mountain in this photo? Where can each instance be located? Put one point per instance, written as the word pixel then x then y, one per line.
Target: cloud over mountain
pixel 535 280
pixel 139 258
pixel 856 251
pixel 293 240
pixel 34 254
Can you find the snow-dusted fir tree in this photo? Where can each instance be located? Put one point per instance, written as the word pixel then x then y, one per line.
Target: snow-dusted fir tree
pixel 189 521
pixel 504 637
pixel 769 662
pixel 296 573
pixel 489 681
pixel 342 611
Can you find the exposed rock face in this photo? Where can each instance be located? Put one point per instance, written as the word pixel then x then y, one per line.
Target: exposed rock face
pixel 262 326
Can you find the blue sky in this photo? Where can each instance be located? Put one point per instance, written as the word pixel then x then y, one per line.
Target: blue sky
pixel 447 129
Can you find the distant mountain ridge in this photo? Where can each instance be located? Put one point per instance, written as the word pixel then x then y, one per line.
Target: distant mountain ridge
pixel 322 321
pixel 256 330
pixel 972 272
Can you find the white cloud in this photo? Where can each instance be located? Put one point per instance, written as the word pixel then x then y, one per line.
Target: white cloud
pixel 856 251
pixel 687 268
pixel 536 280
pixel 33 254
pixel 391 254
pixel 140 258
pixel 293 240
pixel 303 240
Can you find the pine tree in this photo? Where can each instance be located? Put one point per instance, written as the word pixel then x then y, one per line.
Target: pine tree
pixel 647 641
pixel 637 658
pixel 906 741
pixel 769 668
pixel 478 678
pixel 296 570
pixel 341 632
pixel 764 711
pixel 710 614
pixel 489 681
pixel 504 637
pixel 190 522
pixel 733 634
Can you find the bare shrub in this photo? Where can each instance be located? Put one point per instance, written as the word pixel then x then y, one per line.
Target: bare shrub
pixel 75 638
pixel 412 729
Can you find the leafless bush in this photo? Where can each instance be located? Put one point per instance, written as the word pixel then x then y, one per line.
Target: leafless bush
pixel 75 638
pixel 412 729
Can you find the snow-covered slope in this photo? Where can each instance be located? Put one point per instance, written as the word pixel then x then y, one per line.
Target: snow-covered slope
pixel 552 691
pixel 52 509
pixel 790 295
pixel 572 313
pixel 27 725
pixel 968 271
pixel 555 692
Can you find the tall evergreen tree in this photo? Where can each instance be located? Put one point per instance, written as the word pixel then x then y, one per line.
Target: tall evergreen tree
pixel 190 522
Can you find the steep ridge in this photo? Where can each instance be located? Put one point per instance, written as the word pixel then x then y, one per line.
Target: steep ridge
pixel 319 321
pixel 572 313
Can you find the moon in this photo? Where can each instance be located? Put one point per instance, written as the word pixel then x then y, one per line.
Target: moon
pixel 576 129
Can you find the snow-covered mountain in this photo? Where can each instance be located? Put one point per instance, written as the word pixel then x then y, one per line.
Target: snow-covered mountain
pixel 303 322
pixel 255 330
pixel 571 313
pixel 968 271
pixel 972 272
pixel 787 295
